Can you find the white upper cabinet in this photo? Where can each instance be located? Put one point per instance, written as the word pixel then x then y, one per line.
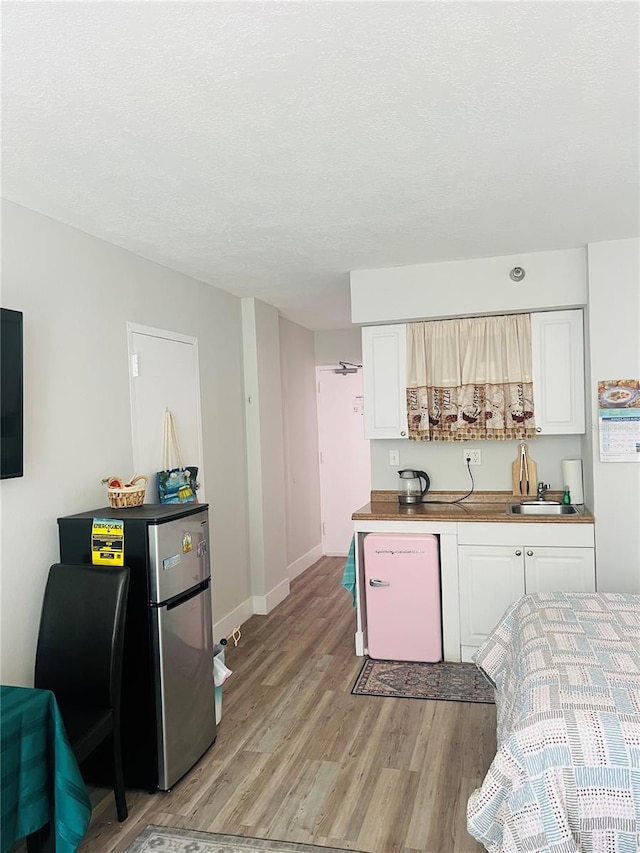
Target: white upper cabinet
pixel 557 364
pixel 558 372
pixel 384 372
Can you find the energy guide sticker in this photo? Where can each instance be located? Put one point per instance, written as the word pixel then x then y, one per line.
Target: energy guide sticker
pixel 107 542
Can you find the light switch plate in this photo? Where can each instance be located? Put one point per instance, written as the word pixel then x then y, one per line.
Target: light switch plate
pixel 394 457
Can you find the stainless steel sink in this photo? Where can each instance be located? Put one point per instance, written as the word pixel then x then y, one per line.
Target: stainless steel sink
pixel 542 508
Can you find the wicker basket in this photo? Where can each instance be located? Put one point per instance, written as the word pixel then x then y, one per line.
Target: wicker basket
pixel 126 496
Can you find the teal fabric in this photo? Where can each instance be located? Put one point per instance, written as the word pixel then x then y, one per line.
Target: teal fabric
pixel 349 574
pixel 39 776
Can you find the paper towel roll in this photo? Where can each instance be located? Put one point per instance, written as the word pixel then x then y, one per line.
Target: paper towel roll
pixel 572 479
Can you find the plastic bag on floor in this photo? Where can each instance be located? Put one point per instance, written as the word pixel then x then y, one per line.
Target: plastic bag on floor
pixel 220 671
pixel 220 674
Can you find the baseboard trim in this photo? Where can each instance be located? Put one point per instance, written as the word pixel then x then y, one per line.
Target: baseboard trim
pixel 302 563
pixel 263 604
pixel 361 643
pixel 223 627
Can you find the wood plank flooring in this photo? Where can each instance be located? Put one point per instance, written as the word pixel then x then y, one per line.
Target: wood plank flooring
pixel 299 758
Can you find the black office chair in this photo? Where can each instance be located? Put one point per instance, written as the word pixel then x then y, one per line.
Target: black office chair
pixel 79 657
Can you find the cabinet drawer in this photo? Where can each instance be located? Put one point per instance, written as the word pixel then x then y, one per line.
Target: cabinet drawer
pixel 561 535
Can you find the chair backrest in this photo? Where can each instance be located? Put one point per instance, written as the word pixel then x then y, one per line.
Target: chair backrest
pixel 80 642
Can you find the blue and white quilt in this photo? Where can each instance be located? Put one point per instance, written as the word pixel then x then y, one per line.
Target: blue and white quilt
pixel 566 776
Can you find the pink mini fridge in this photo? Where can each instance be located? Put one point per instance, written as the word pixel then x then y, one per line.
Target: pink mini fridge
pixel 402 582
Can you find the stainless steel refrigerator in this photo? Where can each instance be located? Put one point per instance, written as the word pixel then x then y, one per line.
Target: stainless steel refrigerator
pixel 168 700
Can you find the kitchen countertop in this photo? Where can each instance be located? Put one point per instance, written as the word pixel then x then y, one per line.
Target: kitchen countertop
pixel 481 506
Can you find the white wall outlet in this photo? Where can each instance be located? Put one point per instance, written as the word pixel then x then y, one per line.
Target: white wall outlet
pixel 394 457
pixel 473 456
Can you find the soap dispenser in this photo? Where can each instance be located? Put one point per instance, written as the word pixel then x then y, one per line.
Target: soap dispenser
pixel 566 498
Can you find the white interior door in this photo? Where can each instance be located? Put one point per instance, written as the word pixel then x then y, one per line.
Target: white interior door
pixel 164 373
pixel 345 461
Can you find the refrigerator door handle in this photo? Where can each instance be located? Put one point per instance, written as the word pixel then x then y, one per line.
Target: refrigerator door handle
pixel 378 582
pixel 177 600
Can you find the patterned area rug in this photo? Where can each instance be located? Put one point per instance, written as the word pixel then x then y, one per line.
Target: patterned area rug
pixel 451 682
pixel 165 839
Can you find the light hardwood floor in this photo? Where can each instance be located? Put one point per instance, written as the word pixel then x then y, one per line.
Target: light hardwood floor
pixel 299 758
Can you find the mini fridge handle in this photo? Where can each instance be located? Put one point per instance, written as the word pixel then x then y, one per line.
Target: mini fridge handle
pixel 376 582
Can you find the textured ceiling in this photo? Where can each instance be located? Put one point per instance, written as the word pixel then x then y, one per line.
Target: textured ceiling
pixel 269 148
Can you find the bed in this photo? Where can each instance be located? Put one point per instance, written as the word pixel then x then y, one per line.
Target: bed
pixel 566 775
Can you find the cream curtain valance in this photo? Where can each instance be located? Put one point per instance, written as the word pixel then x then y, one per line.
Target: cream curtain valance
pixel 470 379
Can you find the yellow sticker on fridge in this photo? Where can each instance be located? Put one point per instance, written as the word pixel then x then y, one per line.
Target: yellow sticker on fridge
pixel 107 542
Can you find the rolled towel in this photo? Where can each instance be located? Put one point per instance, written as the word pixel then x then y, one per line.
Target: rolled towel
pixel 349 574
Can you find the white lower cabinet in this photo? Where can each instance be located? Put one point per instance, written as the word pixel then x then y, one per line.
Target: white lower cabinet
pixel 559 570
pixel 492 576
pixel 490 580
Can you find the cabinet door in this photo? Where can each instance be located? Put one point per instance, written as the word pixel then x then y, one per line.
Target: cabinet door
pixel 384 372
pixel 491 578
pixel 559 570
pixel 558 372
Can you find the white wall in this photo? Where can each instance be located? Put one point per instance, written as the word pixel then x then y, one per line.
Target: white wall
pixel 77 294
pixel 339 345
pixel 447 470
pixel 614 335
pixel 300 421
pixel 469 288
pixel 265 455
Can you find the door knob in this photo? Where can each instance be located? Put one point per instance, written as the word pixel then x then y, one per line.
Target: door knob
pixel 377 582
pixel 529 553
pixel 518 553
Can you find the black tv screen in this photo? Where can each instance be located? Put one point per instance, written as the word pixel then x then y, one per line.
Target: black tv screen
pixel 11 391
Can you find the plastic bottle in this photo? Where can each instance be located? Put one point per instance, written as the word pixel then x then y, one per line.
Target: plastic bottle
pixel 566 498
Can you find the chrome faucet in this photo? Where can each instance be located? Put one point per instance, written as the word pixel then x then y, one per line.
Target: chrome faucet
pixel 542 490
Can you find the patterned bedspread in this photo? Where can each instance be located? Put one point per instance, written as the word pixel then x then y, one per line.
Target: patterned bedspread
pixel 566 776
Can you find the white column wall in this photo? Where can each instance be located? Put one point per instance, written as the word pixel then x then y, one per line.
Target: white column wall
pixel 614 338
pixel 300 422
pixel 265 455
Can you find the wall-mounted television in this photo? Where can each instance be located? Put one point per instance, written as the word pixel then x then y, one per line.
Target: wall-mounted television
pixel 11 394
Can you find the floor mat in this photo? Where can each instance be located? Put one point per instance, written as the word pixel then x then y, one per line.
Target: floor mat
pixel 166 839
pixel 451 682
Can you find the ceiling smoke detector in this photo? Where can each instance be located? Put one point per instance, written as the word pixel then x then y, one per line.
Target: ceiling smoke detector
pixel 517 274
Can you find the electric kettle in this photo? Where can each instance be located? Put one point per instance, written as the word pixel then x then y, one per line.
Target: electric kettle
pixel 410 488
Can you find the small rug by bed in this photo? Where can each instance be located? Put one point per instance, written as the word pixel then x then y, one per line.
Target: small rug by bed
pixel 451 682
pixel 166 839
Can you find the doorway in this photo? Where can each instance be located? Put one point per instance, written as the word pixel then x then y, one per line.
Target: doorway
pixel 344 455
pixel 164 373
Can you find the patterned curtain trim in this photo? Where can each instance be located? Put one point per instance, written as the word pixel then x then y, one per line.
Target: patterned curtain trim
pixel 493 412
pixel 470 378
